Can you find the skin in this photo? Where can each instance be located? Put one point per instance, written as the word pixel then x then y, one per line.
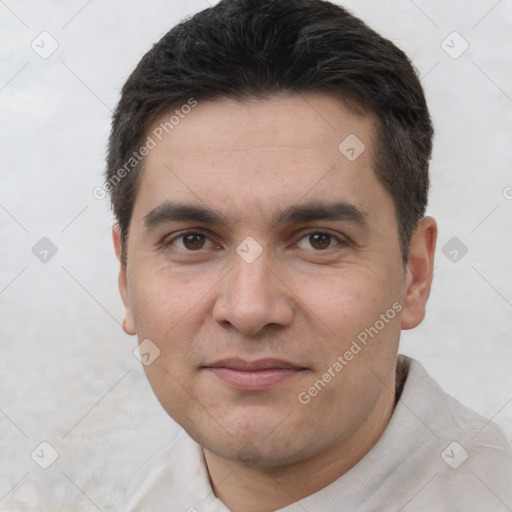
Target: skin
pixel 297 301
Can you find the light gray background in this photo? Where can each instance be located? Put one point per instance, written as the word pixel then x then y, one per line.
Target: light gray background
pixel 68 375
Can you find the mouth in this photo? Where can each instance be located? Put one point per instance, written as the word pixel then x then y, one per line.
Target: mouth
pixel 253 375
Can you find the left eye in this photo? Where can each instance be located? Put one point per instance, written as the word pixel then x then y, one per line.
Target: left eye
pixel 318 240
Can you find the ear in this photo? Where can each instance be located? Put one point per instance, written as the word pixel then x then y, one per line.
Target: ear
pixel 419 272
pixel 128 323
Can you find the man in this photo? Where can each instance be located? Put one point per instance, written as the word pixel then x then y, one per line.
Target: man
pixel 268 168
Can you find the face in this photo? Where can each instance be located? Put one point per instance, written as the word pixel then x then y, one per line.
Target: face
pixel 260 256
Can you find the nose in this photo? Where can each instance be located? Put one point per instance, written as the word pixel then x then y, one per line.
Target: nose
pixel 253 296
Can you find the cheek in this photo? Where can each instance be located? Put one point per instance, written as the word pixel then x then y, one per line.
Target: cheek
pixel 164 300
pixel 170 308
pixel 348 298
pixel 167 311
pixel 355 312
pixel 168 383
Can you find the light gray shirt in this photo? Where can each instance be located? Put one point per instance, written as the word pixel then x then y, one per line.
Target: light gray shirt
pixel 435 455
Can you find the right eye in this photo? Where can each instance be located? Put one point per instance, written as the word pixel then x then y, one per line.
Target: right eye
pixel 190 241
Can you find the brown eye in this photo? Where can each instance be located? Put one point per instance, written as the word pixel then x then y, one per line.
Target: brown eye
pixel 189 242
pixel 193 241
pixel 320 240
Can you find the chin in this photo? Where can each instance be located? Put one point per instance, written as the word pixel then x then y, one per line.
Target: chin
pixel 264 445
pixel 256 452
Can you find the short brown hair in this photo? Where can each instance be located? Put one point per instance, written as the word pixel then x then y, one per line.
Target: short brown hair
pixel 254 48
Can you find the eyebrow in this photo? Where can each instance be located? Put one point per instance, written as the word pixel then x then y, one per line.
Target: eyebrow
pixel 301 213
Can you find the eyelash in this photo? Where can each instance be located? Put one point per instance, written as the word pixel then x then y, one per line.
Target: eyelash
pixel 341 240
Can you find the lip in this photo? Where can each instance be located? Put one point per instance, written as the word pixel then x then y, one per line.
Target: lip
pixel 253 375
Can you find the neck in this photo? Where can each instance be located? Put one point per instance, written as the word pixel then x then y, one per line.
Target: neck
pixel 243 488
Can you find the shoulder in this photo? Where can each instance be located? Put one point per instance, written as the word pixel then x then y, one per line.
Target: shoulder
pixel 443 413
pixel 470 456
pixel 158 481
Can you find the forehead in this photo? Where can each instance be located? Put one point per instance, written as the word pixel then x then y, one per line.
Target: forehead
pixel 293 121
pixel 258 155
